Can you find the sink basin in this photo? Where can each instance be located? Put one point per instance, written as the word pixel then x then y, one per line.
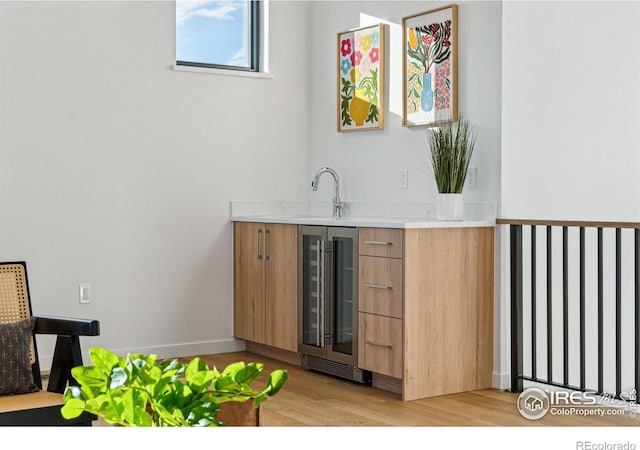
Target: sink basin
pixel 309 219
pixel 296 216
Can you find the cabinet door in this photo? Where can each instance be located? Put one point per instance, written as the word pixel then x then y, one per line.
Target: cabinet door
pixel 381 286
pixel 380 347
pixel 281 286
pixel 384 242
pixel 248 281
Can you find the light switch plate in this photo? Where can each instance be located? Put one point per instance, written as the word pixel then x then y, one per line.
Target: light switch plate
pixel 472 178
pixel 85 293
pixel 404 178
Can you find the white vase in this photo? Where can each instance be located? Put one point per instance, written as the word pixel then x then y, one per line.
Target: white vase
pixel 449 207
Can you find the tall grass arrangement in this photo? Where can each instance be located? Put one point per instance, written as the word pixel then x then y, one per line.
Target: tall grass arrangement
pixel 450 145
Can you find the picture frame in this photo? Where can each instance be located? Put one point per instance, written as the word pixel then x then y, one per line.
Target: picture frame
pixel 360 79
pixel 430 66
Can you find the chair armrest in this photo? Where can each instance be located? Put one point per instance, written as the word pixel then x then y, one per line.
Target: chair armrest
pixel 66 326
pixel 67 353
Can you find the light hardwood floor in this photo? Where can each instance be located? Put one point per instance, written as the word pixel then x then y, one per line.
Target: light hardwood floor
pixel 313 399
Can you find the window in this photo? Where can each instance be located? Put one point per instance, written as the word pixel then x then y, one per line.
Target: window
pixel 220 34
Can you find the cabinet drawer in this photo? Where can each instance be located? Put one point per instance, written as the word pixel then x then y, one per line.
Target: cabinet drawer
pixel 385 242
pixel 380 290
pixel 380 344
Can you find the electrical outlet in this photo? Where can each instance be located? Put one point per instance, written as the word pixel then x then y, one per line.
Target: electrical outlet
pixel 472 178
pixel 85 293
pixel 404 178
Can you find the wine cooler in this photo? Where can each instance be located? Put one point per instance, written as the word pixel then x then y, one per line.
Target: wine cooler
pixel 328 301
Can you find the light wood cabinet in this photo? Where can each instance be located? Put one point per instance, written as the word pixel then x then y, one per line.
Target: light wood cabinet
pixel 248 282
pixel 425 303
pixel 380 344
pixel 443 280
pixel 380 301
pixel 265 284
pixel 380 289
pixel 384 242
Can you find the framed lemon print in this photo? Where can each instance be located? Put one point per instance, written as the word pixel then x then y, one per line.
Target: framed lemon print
pixel 360 79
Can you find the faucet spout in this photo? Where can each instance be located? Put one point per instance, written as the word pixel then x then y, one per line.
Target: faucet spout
pixel 337 203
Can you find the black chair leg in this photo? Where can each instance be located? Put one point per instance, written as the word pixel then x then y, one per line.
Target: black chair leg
pixel 66 356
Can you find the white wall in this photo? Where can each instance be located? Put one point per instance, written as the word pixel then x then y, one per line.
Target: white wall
pixel 570 109
pixel 570 114
pixel 369 162
pixel 116 170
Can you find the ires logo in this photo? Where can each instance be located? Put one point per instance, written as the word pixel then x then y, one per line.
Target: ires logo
pixel 534 403
pixel 560 398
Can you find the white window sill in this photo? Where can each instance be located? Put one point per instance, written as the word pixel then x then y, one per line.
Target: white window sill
pixel 230 73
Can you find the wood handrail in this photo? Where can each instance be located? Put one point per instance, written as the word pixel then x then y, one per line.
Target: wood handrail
pixel 568 223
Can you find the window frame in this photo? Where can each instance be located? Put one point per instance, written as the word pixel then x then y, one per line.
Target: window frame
pixel 257 41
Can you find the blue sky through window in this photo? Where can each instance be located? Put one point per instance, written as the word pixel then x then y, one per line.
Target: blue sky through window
pixel 212 32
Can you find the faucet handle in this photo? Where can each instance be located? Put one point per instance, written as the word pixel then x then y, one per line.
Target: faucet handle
pixel 337 208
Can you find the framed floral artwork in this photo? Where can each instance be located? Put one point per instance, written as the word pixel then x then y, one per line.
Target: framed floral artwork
pixel 360 79
pixel 430 66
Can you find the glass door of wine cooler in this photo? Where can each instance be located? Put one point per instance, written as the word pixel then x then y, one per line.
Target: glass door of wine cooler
pixel 328 292
pixel 343 257
pixel 311 290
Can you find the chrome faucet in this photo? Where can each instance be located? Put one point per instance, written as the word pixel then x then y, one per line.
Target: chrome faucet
pixel 337 203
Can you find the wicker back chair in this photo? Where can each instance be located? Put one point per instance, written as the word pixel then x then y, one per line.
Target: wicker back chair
pixel 41 407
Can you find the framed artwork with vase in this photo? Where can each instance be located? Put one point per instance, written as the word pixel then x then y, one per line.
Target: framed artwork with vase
pixel 430 66
pixel 361 79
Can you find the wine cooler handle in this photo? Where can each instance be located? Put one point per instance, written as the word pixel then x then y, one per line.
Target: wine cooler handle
pixel 322 296
pixel 258 235
pixel 318 284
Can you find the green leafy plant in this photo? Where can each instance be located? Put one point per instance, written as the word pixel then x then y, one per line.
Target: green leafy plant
pixel 430 44
pixel 347 92
pixel 450 147
pixel 140 391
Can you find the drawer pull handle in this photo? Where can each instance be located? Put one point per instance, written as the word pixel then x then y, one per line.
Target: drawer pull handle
pixel 258 234
pixel 378 344
pixel 377 286
pixel 378 242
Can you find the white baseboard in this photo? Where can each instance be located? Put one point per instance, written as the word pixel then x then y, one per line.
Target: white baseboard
pixel 165 351
pixel 501 380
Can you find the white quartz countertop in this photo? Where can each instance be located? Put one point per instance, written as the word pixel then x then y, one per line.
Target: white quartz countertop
pixel 360 214
pixel 376 222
